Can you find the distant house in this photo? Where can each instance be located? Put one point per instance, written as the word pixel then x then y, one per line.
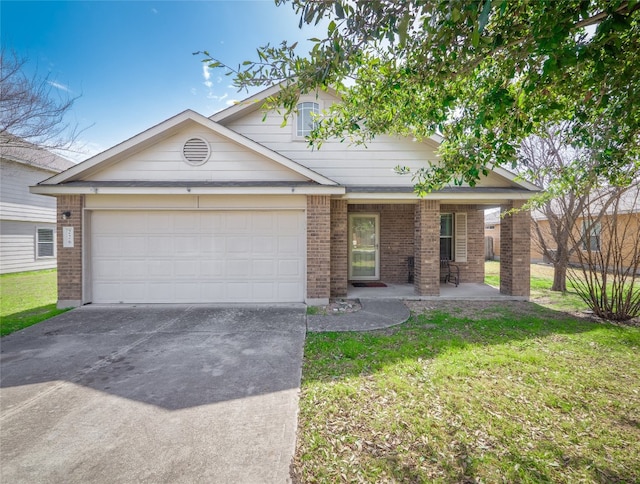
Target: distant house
pixel 27 220
pixel 594 240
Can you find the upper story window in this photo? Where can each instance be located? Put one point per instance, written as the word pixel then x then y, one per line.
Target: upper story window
pixel 307 118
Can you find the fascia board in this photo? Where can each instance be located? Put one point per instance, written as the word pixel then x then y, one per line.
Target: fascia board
pixel 512 177
pixel 471 197
pixel 54 190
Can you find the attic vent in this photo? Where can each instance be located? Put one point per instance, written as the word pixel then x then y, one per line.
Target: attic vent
pixel 196 151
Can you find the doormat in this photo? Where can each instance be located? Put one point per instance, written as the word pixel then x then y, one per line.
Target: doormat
pixel 368 284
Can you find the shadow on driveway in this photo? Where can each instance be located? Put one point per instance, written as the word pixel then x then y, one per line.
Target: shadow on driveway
pixel 149 393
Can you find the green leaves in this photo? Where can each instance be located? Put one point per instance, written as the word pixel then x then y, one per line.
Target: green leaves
pixel 486 74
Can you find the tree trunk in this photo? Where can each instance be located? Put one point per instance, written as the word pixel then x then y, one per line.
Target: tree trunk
pixel 560 276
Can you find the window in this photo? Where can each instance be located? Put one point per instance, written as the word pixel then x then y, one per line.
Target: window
pixel 45 243
pixel 307 114
pixel 453 236
pixel 591 235
pixel 446 236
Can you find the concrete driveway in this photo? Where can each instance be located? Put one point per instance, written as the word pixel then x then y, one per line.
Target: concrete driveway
pixel 152 394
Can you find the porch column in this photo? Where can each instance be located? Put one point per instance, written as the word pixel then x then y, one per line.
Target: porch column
pixel 339 248
pixel 515 251
pixel 427 248
pixel 69 257
pixel 318 249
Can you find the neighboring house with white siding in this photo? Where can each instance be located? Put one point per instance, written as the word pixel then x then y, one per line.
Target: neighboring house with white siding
pixel 236 208
pixel 27 220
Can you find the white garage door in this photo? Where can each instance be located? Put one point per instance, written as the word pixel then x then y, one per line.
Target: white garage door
pixel 197 257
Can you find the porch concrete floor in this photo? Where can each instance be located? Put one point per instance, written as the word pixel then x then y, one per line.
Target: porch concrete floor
pixel 466 291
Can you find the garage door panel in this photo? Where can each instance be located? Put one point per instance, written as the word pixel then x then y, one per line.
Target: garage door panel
pixel 198 256
pixel 239 245
pixel 156 222
pixel 288 245
pixel 264 245
pixel 263 268
pixel 238 268
pixel 211 269
pixel 290 268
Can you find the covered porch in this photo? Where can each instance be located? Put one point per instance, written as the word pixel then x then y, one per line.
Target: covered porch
pixel 470 291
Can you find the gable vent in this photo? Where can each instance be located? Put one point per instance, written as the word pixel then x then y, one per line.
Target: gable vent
pixel 196 151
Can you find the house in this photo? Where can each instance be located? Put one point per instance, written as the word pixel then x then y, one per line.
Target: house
pixel 27 220
pixel 592 237
pixel 237 208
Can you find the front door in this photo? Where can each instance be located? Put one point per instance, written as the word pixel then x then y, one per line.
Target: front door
pixel 364 254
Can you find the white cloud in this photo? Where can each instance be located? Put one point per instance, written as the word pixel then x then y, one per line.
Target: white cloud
pixel 205 72
pixel 211 95
pixel 57 85
pixel 232 102
pixel 194 91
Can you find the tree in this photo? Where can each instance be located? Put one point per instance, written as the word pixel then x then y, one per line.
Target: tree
pixel 32 112
pixel 484 73
pixel 608 270
pixel 543 160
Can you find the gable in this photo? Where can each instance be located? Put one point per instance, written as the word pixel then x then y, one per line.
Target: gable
pixel 228 161
pixel 155 157
pixel 370 165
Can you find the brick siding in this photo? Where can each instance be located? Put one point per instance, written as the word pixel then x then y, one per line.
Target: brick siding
pixel 515 252
pixel 427 248
pixel 339 248
pixel 70 258
pixel 318 247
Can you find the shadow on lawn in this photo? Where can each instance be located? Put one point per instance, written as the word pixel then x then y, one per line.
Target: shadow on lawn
pixel 23 319
pixel 439 328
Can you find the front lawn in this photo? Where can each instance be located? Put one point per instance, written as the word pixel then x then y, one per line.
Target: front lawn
pixel 472 392
pixel 27 298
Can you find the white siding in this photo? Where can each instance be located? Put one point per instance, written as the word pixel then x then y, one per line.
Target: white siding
pixel 21 212
pixel 344 162
pixel 17 247
pixel 229 161
pixel 16 202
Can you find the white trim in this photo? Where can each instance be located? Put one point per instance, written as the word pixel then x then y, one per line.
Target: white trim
pixel 376 276
pixel 512 177
pixel 482 197
pixel 37 243
pixel 168 127
pixel 85 190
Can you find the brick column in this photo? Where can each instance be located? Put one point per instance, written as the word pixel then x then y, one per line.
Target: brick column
pixel 318 249
pixel 427 248
pixel 339 248
pixel 70 258
pixel 515 252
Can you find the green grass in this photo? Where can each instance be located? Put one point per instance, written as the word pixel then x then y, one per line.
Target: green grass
pixel 515 392
pixel 27 298
pixel 541 293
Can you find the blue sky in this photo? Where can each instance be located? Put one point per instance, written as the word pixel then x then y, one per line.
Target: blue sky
pixel 131 62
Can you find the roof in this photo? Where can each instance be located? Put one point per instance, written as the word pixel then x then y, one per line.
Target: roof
pixel 21 151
